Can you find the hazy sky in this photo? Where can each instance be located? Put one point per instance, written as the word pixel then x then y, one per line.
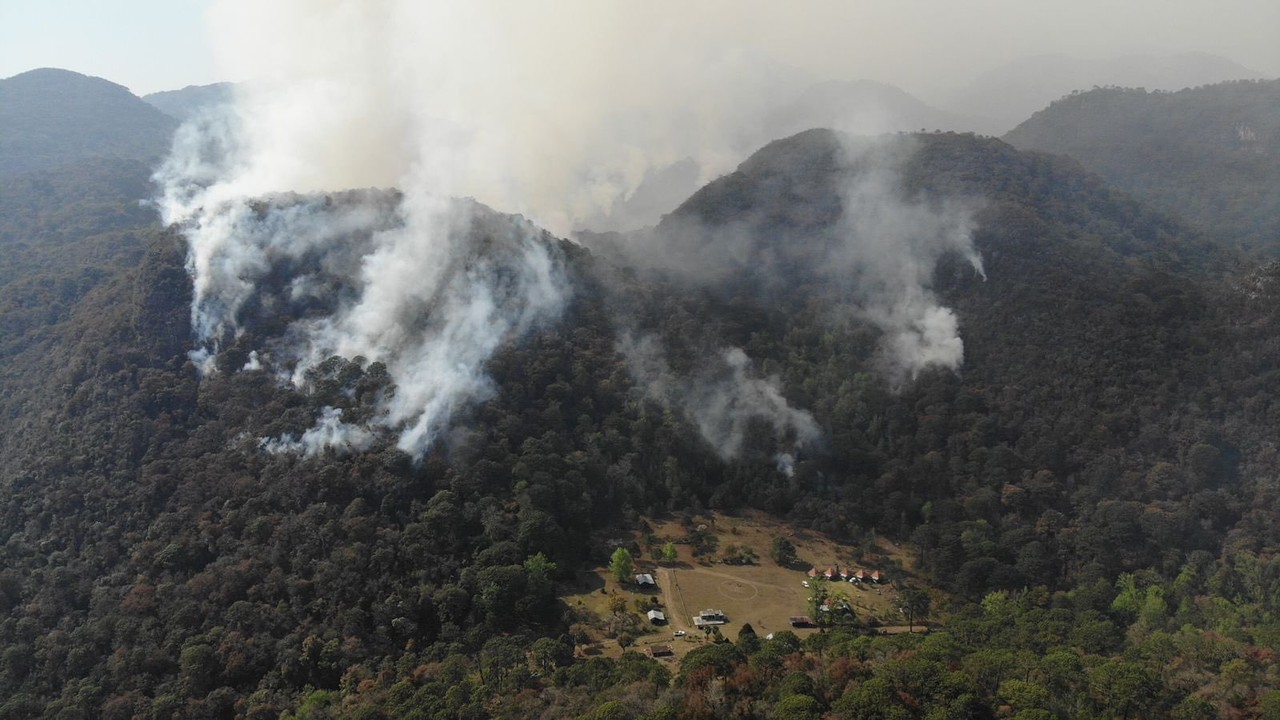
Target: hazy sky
pixel 924 46
pixel 145 45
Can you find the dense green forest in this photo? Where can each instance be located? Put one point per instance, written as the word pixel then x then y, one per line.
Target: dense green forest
pixel 1092 493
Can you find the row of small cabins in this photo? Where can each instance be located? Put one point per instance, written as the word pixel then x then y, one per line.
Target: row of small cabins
pixel 834 573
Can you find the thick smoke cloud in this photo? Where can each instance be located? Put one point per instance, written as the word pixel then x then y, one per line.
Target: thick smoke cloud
pixel 469 306
pixel 424 285
pixel 516 106
pixel 553 111
pixel 427 287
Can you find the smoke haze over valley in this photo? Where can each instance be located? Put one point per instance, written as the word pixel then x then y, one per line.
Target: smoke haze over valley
pixel 416 359
pixel 319 195
pixel 450 102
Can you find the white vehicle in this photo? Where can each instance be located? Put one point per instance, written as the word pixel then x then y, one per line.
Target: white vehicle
pixel 804 583
pixel 679 633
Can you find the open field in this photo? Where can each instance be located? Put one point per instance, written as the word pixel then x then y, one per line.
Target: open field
pixel 765 594
pixel 762 594
pixel 745 596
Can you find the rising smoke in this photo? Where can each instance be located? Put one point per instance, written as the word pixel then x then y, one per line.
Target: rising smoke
pixel 516 106
pixel 825 212
pixel 722 398
pixel 555 112
pixel 427 286
pixel 890 246
pixel 329 432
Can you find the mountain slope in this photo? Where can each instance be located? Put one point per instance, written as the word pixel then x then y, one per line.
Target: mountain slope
pixel 191 100
pixel 1209 154
pixel 789 198
pixel 50 118
pixel 1095 326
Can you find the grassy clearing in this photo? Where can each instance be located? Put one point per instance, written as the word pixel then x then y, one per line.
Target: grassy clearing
pixel 706 574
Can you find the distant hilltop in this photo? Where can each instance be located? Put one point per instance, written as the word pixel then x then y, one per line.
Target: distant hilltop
pixel 50 118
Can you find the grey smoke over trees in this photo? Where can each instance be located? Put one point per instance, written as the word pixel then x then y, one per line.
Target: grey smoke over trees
pixel 722 398
pixel 891 245
pixel 464 101
pixel 772 230
pixel 426 285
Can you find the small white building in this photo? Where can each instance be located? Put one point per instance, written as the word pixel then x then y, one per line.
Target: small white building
pixel 710 617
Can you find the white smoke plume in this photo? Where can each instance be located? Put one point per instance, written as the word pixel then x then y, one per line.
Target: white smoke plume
pixel 556 112
pixel 427 286
pixel 722 399
pixel 468 306
pixel 889 248
pixel 553 111
pixel 823 213
pixel 329 432
pixel 829 211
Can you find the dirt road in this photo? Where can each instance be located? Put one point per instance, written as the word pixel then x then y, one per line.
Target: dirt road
pixel 678 616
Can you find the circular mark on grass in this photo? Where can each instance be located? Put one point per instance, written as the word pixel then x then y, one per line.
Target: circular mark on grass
pixel 738 590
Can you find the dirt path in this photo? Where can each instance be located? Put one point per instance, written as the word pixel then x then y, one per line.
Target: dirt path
pixel 903 629
pixel 678 616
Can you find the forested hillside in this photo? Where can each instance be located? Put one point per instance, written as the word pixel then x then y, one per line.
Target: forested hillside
pixel 53 118
pixel 1091 489
pixel 1086 348
pixel 1206 154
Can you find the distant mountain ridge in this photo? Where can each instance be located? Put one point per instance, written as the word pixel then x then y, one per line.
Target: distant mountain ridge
pixel 50 118
pixel 1210 154
pixel 856 107
pixel 1011 92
